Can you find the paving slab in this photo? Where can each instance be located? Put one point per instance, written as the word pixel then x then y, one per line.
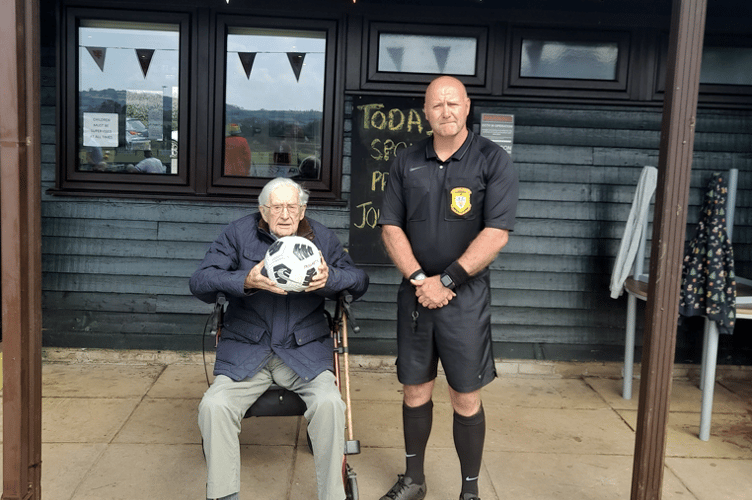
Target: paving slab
pixel 84 420
pixel 546 476
pixel 730 435
pixel 130 471
pixel 375 387
pixel 714 479
pixel 134 471
pixel 546 430
pixel 743 389
pixel 164 421
pixel 97 380
pixel 530 392
pixel 685 396
pixel 180 382
pixel 64 465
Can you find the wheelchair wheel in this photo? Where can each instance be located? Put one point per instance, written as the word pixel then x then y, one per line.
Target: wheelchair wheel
pixel 351 484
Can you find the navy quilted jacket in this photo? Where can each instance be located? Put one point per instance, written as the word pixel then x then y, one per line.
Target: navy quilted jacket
pixel 261 323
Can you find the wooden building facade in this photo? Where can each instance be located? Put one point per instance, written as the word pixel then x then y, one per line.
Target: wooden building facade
pixel 583 82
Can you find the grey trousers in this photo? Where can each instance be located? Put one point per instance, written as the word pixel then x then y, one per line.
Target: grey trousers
pixel 224 404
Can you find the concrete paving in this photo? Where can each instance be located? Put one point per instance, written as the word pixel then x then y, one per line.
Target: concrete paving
pixel 128 431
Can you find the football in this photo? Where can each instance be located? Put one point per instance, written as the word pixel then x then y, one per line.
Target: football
pixel 292 262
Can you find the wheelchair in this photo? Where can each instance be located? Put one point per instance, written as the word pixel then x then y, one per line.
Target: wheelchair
pixel 280 402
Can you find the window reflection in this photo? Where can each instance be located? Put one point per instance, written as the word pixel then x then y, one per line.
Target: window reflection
pixel 569 60
pixel 274 102
pixel 726 65
pixel 403 53
pixel 128 97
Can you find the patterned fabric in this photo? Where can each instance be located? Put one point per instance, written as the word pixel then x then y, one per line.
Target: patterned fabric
pixel 708 280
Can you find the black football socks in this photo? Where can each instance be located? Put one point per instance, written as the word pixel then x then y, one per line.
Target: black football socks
pixel 469 436
pixel 416 423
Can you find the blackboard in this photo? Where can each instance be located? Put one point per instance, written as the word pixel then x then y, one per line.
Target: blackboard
pixel 382 126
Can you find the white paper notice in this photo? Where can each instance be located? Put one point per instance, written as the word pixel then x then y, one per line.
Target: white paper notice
pixel 101 129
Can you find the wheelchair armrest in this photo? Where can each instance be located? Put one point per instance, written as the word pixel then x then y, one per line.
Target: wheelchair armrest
pixel 344 301
pixel 215 318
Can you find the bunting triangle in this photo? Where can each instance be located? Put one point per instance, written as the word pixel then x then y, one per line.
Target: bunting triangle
pixel 296 62
pixel 246 59
pixel 396 54
pixel 144 59
pixel 98 54
pixel 441 54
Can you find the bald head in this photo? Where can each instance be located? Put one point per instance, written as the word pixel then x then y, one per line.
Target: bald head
pixel 446 108
pixel 446 82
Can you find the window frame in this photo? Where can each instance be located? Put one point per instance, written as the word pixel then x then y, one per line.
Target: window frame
pixel 201 108
pixel 618 88
pixel 328 187
pixel 373 79
pixel 708 92
pixel 70 179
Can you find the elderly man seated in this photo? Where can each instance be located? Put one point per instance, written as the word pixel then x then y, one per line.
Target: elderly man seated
pixel 270 335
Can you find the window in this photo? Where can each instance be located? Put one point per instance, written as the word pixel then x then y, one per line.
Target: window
pixel 726 70
pixel 123 106
pixel 403 53
pixel 726 66
pixel 274 103
pixel 263 102
pixel 590 61
pixel 408 57
pixel 275 81
pixel 128 90
pixel 568 60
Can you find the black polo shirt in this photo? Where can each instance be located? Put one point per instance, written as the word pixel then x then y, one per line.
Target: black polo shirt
pixel 442 206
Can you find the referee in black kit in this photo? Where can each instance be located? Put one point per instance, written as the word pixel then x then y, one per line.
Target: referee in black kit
pixel 449 205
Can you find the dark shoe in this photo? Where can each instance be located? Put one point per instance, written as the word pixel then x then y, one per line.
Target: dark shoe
pixel 405 489
pixel 468 496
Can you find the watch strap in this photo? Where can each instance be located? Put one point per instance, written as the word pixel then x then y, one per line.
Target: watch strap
pixel 418 275
pixel 457 273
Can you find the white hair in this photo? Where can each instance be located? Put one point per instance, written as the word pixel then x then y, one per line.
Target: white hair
pixel 279 182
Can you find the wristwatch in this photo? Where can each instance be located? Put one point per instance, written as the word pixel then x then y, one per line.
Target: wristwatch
pixel 418 275
pixel 447 281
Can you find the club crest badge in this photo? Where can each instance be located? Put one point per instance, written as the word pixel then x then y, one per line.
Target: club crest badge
pixel 460 197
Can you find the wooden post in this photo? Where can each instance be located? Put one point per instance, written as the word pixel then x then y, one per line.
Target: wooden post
pixel 669 226
pixel 21 243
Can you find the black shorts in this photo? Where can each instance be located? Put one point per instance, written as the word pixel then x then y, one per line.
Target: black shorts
pixel 458 334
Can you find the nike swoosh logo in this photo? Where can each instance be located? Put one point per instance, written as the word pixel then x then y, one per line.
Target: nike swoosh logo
pixel 410 456
pixel 417 168
pixel 471 478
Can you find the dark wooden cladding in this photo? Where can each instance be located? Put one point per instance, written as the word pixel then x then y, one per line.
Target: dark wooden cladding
pixel 550 285
pixel 674 169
